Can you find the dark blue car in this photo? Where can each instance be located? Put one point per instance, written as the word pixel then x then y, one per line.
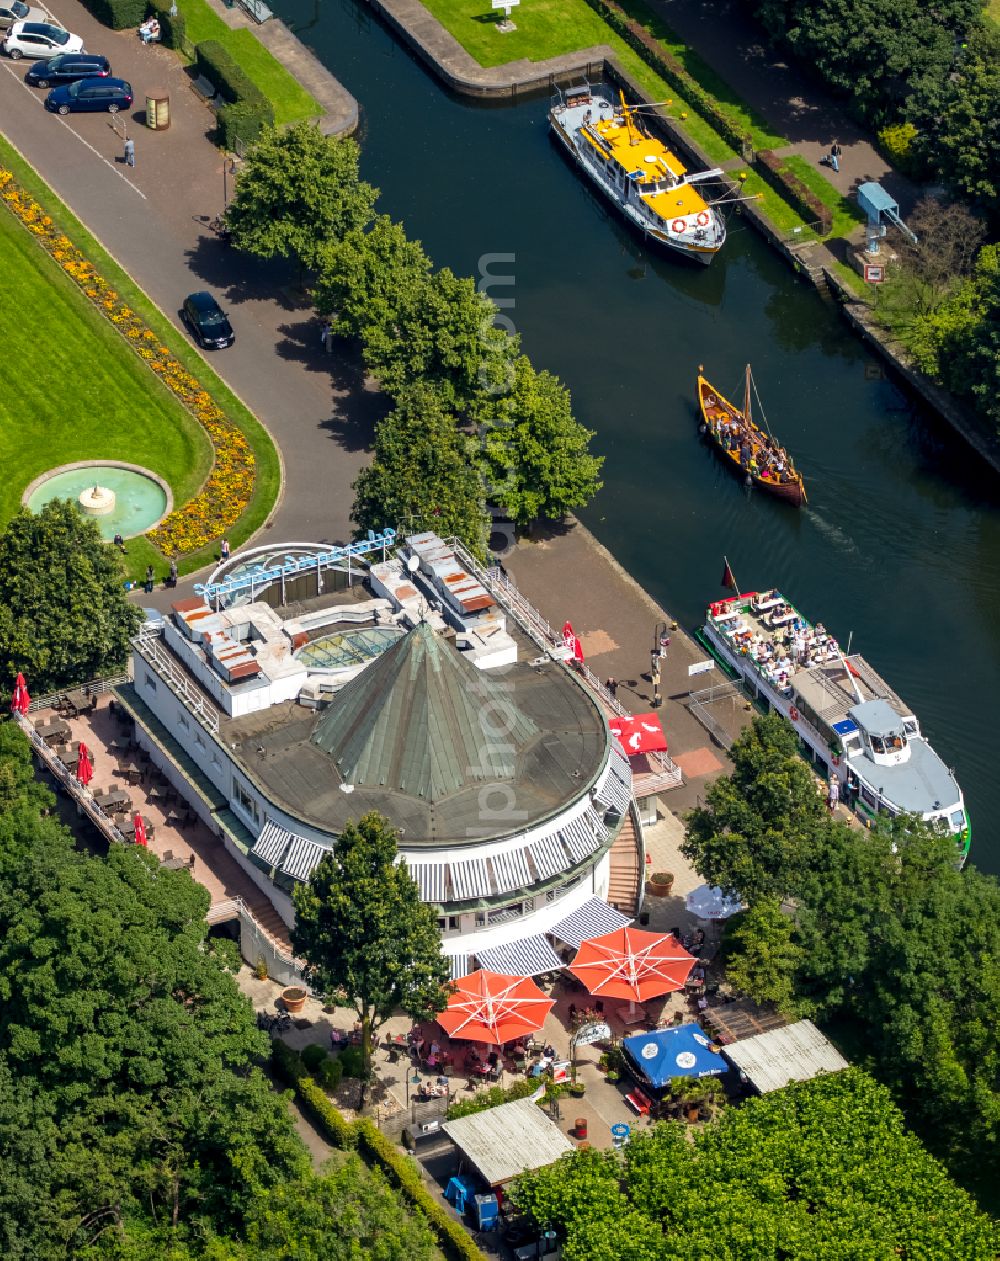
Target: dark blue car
pixel 90 94
pixel 67 68
pixel 207 321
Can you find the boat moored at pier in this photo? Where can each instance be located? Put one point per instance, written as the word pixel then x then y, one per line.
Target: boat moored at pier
pixel 862 735
pixel 638 173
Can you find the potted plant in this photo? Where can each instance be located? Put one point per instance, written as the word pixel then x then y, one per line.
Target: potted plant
pixel 577 1089
pixel 660 884
pixel 294 998
pixel 260 969
pixel 613 1074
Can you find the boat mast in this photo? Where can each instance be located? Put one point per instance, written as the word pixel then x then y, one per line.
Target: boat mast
pixel 746 395
pixel 633 139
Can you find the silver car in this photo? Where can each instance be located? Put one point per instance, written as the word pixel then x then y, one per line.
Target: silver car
pixel 39 39
pixel 17 11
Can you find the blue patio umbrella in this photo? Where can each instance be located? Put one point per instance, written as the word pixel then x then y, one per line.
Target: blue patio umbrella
pixel 666 1053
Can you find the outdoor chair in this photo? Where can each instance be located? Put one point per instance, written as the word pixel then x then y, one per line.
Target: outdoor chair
pixel 168 855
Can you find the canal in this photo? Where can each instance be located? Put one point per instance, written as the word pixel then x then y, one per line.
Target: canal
pixel 900 542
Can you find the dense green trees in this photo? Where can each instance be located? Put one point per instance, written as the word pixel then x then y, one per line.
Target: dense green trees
pixel 64 616
pixel 421 477
pixel 902 62
pixel 134 1123
pixel 362 928
pixel 823 1169
pixel 299 196
pixel 297 191
pixel 879 932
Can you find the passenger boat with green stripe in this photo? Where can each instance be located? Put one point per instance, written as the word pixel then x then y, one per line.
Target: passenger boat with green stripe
pixel 862 735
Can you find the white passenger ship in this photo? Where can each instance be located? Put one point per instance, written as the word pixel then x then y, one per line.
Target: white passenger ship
pixel 638 173
pixel 856 726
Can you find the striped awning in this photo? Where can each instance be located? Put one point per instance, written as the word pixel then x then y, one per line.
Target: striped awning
pixel 590 920
pixel 460 965
pixel 271 844
pixel 529 956
pixel 292 854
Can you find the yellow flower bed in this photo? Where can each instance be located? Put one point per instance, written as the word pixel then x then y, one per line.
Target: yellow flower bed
pixel 227 491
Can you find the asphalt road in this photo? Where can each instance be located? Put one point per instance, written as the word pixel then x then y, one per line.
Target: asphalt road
pixel 152 218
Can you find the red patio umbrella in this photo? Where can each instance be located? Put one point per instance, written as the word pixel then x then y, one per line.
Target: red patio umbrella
pixel 140 831
pixel 631 963
pixel 20 700
pixel 491 1007
pixel 84 766
pixel 639 733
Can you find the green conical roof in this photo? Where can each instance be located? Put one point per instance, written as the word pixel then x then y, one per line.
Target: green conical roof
pixel 422 720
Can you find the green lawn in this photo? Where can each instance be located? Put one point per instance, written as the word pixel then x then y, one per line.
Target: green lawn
pixel 85 395
pixel 993 11
pixel 846 214
pixel 291 101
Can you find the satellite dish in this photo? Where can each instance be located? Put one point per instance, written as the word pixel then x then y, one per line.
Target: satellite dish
pixel 413 564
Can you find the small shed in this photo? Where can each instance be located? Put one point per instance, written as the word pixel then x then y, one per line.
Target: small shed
pixel 797 1052
pixel 509 1140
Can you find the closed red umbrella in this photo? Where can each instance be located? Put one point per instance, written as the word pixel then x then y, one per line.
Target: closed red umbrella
pixel 572 642
pixel 20 700
pixel 495 1008
pixel 84 766
pixel 140 831
pixel 631 963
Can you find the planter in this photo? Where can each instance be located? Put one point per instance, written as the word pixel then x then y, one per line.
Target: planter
pixel 294 998
pixel 660 884
pixel 576 1089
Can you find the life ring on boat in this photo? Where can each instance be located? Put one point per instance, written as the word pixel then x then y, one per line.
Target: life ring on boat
pixel 703 219
pixel 678 225
pixel 835 760
pixel 793 713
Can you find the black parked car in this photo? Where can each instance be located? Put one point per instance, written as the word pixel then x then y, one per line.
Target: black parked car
pixel 207 322
pixel 90 94
pixel 67 68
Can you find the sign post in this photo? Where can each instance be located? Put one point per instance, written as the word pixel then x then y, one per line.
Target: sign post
pixel 505 25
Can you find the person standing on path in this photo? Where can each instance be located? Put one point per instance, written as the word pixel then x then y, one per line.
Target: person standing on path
pixel 129 151
pixel 150 579
pixel 224 550
pixel 835 152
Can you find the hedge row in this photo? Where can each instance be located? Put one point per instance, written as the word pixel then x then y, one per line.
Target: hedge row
pixel 247 111
pixel 173 29
pixel 791 189
pixel 668 67
pixel 118 14
pixel 380 1150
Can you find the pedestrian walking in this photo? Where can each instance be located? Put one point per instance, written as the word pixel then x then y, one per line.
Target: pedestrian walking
pixel 150 579
pixel 224 550
pixel 835 152
pixel 833 793
pixel 326 336
pixel 129 151
pixel 173 573
pixel 612 686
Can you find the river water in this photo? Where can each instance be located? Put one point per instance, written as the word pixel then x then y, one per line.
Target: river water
pixel 900 542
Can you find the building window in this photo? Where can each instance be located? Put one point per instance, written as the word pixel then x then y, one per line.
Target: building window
pixel 150 682
pixel 245 801
pixel 183 721
pixel 448 923
pixel 199 739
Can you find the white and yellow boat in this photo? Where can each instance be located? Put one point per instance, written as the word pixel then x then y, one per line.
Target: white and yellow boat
pixel 637 172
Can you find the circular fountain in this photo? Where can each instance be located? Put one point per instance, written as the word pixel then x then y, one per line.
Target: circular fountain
pixel 120 498
pixel 98 501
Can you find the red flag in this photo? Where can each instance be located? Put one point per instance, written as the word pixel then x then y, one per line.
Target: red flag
pixel 140 831
pixel 727 578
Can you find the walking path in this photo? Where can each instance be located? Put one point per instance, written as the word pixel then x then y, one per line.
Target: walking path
pixel 725 37
pixel 153 220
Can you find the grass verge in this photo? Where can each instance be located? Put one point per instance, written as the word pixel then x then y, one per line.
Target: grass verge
pixel 846 214
pixel 290 101
pixel 268 466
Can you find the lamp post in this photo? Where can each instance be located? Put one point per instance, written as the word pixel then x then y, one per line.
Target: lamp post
pixel 658 653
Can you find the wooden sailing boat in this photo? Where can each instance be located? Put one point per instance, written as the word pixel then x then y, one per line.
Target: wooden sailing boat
pixel 745 447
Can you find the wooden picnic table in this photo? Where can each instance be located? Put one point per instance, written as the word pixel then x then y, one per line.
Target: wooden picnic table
pixel 53 729
pixel 171 864
pixel 128 830
pixel 161 792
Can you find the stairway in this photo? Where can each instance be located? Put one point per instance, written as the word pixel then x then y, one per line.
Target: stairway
pixel 623 886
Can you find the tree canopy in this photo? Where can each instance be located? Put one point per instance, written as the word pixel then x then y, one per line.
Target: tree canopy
pixel 535 457
pixel 362 929
pixel 822 1169
pixel 64 615
pixel 420 477
pixel 298 190
pixel 879 932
